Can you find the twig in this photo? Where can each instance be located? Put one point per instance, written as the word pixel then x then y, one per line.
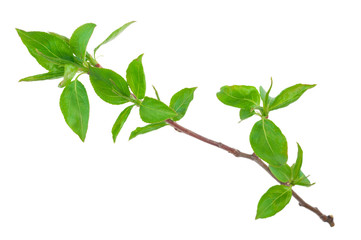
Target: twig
pixel 256 159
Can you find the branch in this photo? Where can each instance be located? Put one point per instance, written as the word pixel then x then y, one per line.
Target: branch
pixel 256 159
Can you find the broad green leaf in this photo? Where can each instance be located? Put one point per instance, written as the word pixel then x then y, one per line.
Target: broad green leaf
pixel 180 102
pixel 239 96
pixel 113 35
pixel 289 95
pixel 136 77
pixel 80 38
pixel 59 62
pixel 146 129
pixel 74 105
pixel 69 73
pixel 109 86
pixel 302 180
pixel 44 76
pixel 47 44
pixel 282 173
pixel 273 201
pixel 123 116
pixel 246 113
pixel 296 168
pixel 268 142
pixel 152 111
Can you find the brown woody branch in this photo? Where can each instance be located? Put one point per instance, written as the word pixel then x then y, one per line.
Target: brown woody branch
pixel 256 159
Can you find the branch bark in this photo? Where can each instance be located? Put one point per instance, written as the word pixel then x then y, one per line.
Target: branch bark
pixel 256 159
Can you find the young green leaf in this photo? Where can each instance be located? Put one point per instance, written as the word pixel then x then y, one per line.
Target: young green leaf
pixel 273 201
pixel 136 77
pixel 180 102
pixel 146 129
pixel 80 38
pixel 109 85
pixel 113 35
pixel 123 116
pixel 44 76
pixel 245 113
pixel 302 180
pixel 156 93
pixel 296 168
pixel 47 44
pixel 282 173
pixel 153 111
pixel 289 95
pixel 239 96
pixel 268 142
pixel 74 105
pixel 69 72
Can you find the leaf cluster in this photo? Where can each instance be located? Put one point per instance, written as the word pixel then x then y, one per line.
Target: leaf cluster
pixel 66 57
pixel 267 140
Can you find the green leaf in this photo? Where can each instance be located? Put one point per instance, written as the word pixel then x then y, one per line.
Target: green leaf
pixel 263 94
pixel 246 113
pixel 69 73
pixel 49 45
pixel 180 102
pixel 152 111
pixel 74 105
pixel 113 35
pixel 123 116
pixel 268 142
pixel 289 95
pixel 282 173
pixel 296 168
pixel 109 86
pixel 59 62
pixel 273 201
pixel 156 93
pixel 80 38
pixel 239 96
pixel 302 180
pixel 44 76
pixel 146 129
pixel 136 77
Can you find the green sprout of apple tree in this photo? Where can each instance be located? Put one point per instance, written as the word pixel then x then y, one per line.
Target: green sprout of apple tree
pixel 68 58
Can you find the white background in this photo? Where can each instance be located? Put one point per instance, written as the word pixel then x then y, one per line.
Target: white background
pixel 165 185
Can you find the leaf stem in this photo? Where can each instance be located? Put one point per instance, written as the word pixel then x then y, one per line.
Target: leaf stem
pixel 256 159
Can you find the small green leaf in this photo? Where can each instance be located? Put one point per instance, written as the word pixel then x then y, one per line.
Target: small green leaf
pixel 273 201
pixel 44 76
pixel 289 95
pixel 262 92
pixel 109 86
pixel 153 111
pixel 282 173
pixel 239 96
pixel 69 73
pixel 113 35
pixel 74 105
pixel 47 44
pixel 146 129
pixel 296 168
pixel 123 116
pixel 268 142
pixel 302 180
pixel 156 93
pixel 80 38
pixel 136 77
pixel 180 102
pixel 245 113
